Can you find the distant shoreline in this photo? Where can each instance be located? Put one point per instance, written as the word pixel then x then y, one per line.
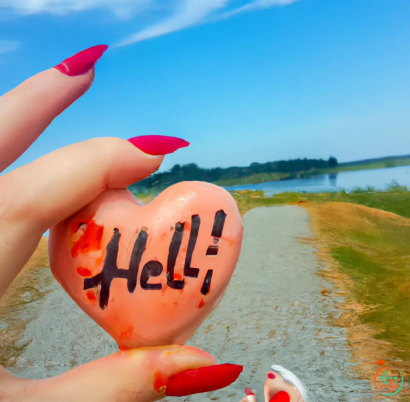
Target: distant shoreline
pixel 382 163
pixel 257 173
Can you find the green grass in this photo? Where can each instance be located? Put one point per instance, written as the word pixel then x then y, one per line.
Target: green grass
pixel 382 284
pixel 396 199
pixel 368 166
pixel 373 249
pixel 376 165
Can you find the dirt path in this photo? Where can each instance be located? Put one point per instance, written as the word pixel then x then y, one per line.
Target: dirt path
pixel 273 313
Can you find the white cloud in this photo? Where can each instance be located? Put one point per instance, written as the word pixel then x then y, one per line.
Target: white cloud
pixel 257 5
pixel 182 13
pixel 194 12
pixel 189 13
pixel 7 46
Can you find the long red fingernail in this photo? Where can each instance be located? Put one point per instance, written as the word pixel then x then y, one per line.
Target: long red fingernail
pixel 158 144
pixel 205 379
pixel 281 396
pixel 83 62
pixel 248 391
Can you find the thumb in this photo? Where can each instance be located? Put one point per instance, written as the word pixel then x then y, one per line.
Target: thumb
pixel 188 370
pixel 136 375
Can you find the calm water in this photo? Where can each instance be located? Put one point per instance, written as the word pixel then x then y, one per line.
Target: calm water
pixel 380 179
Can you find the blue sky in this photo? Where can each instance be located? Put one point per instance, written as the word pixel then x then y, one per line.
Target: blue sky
pixel 242 80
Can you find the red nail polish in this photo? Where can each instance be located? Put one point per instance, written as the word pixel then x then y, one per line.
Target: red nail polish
pixel 205 379
pixel 158 144
pixel 248 392
pixel 281 396
pixel 271 376
pixel 83 62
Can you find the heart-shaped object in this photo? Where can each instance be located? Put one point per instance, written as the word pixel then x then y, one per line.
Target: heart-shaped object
pixel 149 275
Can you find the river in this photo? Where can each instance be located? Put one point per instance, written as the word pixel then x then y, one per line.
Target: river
pixel 380 179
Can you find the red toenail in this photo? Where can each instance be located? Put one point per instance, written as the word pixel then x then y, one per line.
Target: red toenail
pixel 271 376
pixel 281 396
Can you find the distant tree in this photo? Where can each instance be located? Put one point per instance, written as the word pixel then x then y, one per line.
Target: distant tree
pixel 192 171
pixel 332 162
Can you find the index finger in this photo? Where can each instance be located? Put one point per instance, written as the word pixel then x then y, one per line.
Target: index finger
pixel 37 196
pixel 27 110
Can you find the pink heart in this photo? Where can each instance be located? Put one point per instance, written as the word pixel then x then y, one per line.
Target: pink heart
pixel 149 275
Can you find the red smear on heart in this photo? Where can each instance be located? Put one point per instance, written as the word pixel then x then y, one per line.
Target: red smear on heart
pixel 83 272
pixel 127 333
pixel 84 220
pixel 379 363
pixel 89 241
pixel 160 382
pixel 91 296
pixel 229 240
pixel 100 260
pixel 201 304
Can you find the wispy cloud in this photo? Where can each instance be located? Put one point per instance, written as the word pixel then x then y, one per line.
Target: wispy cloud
pixel 195 12
pixel 257 5
pixel 189 13
pixel 7 46
pixel 182 13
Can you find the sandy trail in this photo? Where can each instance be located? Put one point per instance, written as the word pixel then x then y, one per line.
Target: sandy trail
pixel 273 313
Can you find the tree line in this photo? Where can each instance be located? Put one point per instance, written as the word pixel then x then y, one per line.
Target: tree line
pixel 192 172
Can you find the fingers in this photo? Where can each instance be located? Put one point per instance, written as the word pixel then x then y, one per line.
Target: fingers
pixel 28 109
pixel 177 359
pixel 62 182
pixel 134 375
pixel 185 378
pixel 37 196
pixel 250 395
pixel 11 387
pixel 249 398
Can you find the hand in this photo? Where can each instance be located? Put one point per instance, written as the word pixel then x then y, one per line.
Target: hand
pixel 281 385
pixel 37 196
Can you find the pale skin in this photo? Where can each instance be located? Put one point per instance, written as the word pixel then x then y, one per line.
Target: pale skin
pixel 37 196
pixel 275 385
